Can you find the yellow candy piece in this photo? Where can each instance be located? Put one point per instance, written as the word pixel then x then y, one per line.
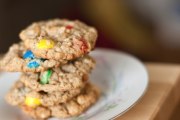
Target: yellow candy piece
pixel 32 102
pixel 45 44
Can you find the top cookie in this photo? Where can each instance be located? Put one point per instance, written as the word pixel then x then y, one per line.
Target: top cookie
pixel 59 39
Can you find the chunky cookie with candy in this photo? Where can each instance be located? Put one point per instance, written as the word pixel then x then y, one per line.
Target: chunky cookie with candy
pixel 55 65
pixel 59 39
pixel 19 59
pixel 20 94
pixel 66 77
pixel 88 96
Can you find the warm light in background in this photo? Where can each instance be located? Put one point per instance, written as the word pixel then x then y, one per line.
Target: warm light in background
pixel 147 29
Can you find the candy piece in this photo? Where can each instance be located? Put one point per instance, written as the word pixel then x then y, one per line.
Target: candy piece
pixel 32 102
pixel 84 46
pixel 45 77
pixel 28 55
pixel 34 63
pixel 69 27
pixel 45 44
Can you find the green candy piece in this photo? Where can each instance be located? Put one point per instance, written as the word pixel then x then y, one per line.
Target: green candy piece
pixel 45 77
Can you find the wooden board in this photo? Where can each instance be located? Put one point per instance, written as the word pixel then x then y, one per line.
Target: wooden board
pixel 162 96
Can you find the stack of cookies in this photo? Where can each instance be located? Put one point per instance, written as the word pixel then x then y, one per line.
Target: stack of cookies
pixel 55 65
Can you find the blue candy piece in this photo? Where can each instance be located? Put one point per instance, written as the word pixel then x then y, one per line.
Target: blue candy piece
pixel 34 63
pixel 28 55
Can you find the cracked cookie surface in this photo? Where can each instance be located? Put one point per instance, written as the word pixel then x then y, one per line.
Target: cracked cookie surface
pixel 59 39
pixel 66 77
pixel 13 61
pixel 74 107
pixel 19 92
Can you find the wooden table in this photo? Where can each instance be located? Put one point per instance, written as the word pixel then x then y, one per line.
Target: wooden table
pixel 162 96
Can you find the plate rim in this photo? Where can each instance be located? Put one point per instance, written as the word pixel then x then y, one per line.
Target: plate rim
pixel 146 71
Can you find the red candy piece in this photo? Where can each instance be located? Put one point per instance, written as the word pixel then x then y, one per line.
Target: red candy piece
pixel 80 43
pixel 84 46
pixel 69 27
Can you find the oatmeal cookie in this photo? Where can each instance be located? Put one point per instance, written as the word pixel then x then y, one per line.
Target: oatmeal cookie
pixel 74 107
pixel 19 59
pixel 20 93
pixel 67 77
pixel 59 39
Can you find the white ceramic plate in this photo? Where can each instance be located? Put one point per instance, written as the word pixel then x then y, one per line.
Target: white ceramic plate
pixel 122 79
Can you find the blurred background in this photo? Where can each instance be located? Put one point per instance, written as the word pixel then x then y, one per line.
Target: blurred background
pixel 148 29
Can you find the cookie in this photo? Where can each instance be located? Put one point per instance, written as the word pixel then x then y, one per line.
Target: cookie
pixel 66 77
pixel 19 94
pixel 19 59
pixel 74 107
pixel 59 39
